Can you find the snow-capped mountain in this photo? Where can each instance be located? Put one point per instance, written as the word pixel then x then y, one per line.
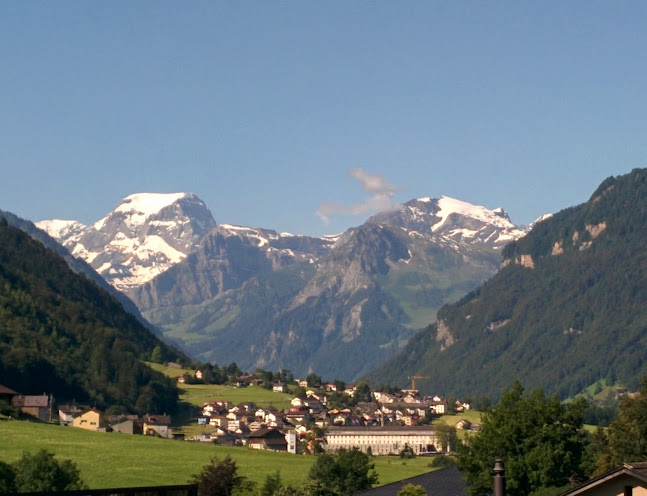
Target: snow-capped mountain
pixel 142 237
pixel 336 304
pixel 454 219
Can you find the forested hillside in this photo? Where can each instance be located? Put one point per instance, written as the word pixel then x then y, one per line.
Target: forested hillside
pixel 569 307
pixel 62 334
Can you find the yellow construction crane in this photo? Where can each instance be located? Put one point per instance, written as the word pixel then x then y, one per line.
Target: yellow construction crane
pixel 414 377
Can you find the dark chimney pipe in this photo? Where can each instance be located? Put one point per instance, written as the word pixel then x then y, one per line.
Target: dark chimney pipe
pixel 499 478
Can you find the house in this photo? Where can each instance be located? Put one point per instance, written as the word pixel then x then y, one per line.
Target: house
pixel 439 407
pixel 443 482
pixel 268 439
pixel 220 421
pixel 91 419
pixel 66 413
pixel 6 394
pixel 157 425
pixel 464 424
pixel 279 388
pixel 629 479
pixel 127 426
pixel 36 406
pixel 256 425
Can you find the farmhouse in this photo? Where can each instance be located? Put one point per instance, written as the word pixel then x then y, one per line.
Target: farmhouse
pixel 268 439
pixel 157 425
pixel 91 419
pixel 383 440
pixel 36 406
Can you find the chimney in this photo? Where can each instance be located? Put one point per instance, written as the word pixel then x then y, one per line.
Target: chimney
pixel 499 478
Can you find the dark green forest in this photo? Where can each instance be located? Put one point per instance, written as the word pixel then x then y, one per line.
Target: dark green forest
pixel 578 316
pixel 62 334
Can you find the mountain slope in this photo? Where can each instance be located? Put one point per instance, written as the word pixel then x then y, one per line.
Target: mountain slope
pixel 568 308
pixel 336 305
pixel 61 333
pixel 76 264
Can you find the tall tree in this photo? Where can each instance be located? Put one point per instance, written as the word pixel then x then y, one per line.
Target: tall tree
pixel 627 436
pixel 41 472
pixel 346 472
pixel 220 478
pixel 541 441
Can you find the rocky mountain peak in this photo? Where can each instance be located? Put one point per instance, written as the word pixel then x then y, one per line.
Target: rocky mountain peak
pixel 144 235
pixel 454 219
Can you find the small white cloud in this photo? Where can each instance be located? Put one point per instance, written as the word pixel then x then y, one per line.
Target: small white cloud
pixel 379 187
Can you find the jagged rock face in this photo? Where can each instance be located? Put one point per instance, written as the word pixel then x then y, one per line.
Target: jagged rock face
pixel 226 258
pixel 140 239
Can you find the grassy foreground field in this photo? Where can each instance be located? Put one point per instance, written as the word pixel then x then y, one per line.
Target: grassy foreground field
pixel 116 460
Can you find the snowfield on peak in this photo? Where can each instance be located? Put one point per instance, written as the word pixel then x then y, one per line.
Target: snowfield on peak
pixel 449 206
pixel 143 236
pixel 139 207
pixel 57 228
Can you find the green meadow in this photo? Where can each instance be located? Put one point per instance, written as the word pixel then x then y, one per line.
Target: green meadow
pixel 197 394
pixel 117 460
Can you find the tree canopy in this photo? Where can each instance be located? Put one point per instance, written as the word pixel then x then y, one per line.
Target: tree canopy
pixel 41 472
pixel 346 472
pixel 220 478
pixel 627 436
pixel 541 441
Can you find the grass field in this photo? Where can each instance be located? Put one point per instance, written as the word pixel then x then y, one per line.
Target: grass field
pixel 197 394
pixel 117 460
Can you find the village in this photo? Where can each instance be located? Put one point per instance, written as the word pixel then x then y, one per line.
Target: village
pixel 376 422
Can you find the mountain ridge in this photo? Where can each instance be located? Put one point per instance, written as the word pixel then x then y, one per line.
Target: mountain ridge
pixel 565 311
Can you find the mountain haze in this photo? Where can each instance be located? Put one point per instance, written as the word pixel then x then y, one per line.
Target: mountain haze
pixel 569 307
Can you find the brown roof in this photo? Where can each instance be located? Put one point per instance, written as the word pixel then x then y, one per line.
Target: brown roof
pixel 5 390
pixel 41 401
pixel 266 433
pixel 157 419
pixel 635 469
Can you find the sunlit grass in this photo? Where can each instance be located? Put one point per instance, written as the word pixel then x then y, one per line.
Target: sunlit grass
pixel 118 460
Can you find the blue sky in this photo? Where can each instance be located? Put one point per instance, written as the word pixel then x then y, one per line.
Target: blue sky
pixel 268 110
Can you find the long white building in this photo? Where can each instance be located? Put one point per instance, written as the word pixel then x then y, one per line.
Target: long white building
pixel 383 440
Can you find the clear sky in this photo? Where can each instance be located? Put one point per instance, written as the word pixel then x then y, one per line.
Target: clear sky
pixel 274 111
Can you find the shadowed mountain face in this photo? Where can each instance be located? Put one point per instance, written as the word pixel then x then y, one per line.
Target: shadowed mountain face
pixel 568 308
